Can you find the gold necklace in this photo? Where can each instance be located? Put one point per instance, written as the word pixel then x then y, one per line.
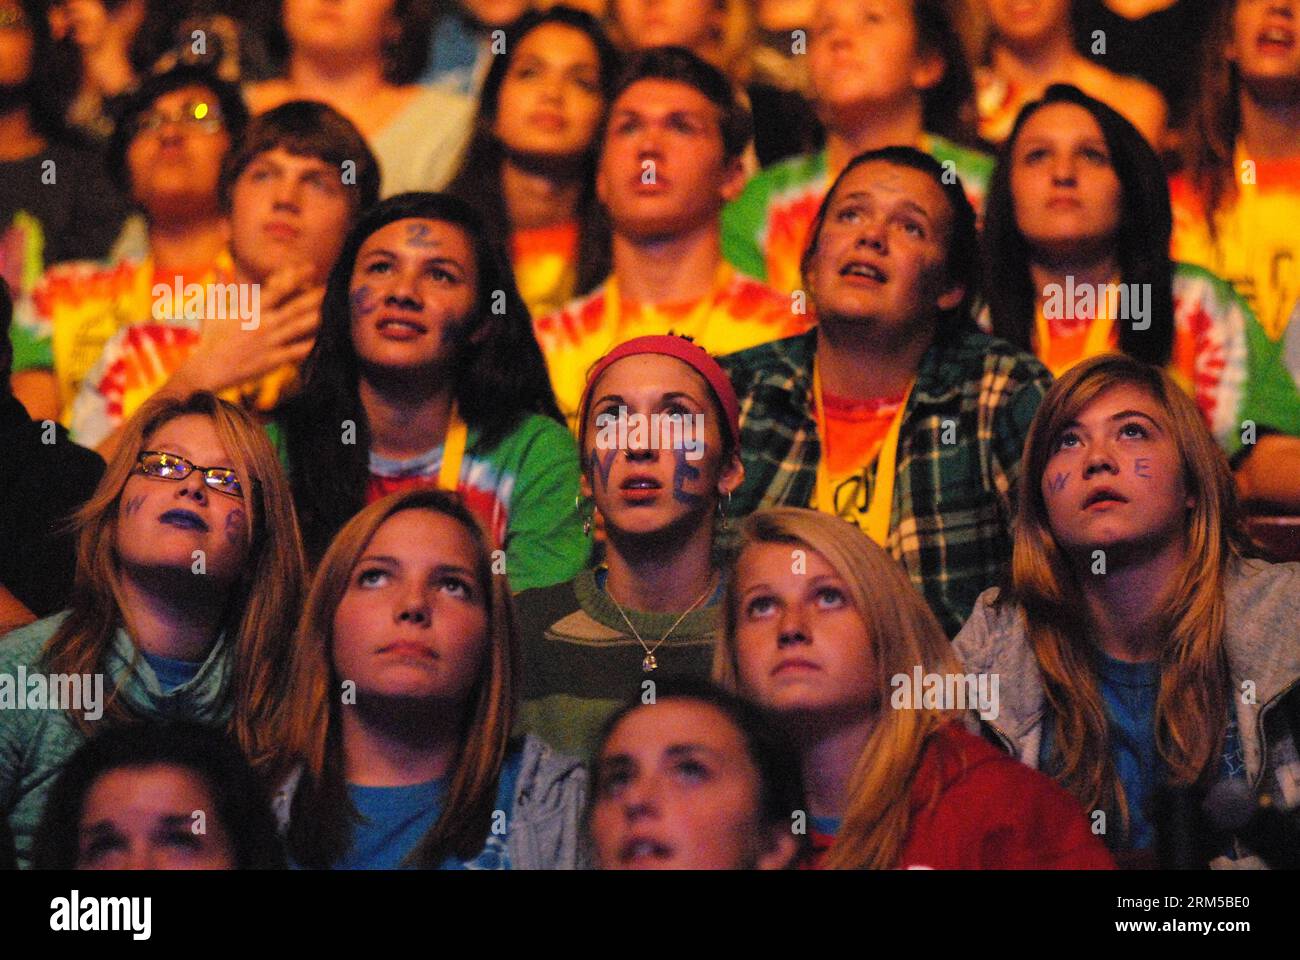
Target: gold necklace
pixel 650 663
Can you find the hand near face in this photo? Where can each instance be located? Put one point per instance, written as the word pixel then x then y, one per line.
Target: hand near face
pixel 233 351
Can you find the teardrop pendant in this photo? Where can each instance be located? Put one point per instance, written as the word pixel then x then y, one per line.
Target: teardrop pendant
pixel 649 663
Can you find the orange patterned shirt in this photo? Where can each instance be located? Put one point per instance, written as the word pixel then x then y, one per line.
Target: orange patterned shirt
pixel 737 314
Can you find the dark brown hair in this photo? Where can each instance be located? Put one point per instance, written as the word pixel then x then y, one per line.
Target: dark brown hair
pixel 306 128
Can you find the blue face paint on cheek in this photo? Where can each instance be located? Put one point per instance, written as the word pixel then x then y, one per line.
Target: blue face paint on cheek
pixel 1142 467
pixel 600 468
pixel 235 524
pixel 681 473
pixel 363 301
pixel 1057 483
pixel 132 505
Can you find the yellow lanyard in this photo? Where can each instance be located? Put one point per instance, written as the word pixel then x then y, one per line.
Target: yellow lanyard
pixel 876 524
pixel 453 451
pixel 651 318
pixel 1096 341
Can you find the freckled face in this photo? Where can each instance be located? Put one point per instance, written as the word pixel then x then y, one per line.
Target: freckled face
pixel 801 645
pixel 414 289
pixel 657 480
pixel 161 522
pixel 1115 476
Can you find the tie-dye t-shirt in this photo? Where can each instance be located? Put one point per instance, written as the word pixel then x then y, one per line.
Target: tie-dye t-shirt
pixel 135 364
pixel 523 489
pixel 1257 242
pixel 739 313
pixel 853 432
pixel 55 206
pixel 77 307
pixel 765 229
pixel 545 260
pixel 1221 357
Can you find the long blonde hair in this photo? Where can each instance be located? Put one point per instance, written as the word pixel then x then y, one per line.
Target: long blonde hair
pixel 903 634
pixel 1193 699
pixel 321 825
pixel 262 606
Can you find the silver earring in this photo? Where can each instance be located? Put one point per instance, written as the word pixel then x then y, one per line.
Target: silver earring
pixel 586 517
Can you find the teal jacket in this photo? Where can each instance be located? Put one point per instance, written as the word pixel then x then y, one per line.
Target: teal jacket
pixel 35 743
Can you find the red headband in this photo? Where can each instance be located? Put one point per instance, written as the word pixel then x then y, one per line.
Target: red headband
pixel 697 358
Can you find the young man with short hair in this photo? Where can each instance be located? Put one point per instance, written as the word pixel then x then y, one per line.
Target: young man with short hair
pixel 894 413
pixel 291 189
pixel 670 158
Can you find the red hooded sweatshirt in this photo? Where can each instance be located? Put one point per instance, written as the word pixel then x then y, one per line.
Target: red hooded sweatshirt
pixel 976 808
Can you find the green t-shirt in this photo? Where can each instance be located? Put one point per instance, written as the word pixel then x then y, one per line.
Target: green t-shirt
pixel 524 490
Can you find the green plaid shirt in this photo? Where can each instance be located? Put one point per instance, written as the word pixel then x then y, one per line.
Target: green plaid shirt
pixel 958 455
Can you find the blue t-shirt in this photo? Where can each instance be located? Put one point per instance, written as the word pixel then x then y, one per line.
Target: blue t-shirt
pixel 394 819
pixel 171 673
pixel 829 826
pixel 1129 692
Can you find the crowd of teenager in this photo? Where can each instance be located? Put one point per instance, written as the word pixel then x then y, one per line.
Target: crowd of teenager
pixel 732 434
